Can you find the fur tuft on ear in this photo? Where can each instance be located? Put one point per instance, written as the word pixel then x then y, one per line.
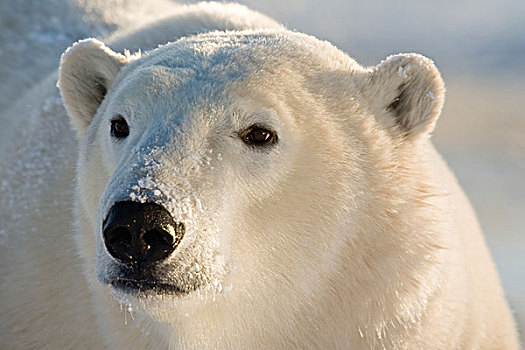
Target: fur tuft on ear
pixel 86 72
pixel 410 93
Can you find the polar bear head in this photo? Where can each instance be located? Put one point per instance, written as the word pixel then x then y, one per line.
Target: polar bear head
pixel 247 165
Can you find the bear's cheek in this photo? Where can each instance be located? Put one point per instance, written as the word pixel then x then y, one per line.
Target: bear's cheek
pixel 92 177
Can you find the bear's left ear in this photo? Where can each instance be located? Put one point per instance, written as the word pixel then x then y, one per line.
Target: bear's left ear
pixel 407 92
pixel 86 72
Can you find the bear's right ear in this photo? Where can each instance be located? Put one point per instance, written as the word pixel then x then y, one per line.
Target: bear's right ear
pixel 86 72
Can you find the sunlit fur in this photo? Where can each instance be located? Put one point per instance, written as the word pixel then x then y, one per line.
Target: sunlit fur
pixel 349 232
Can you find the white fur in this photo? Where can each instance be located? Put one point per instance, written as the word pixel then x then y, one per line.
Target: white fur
pixel 349 232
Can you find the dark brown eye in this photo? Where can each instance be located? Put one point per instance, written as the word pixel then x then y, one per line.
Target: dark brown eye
pixel 258 136
pixel 119 127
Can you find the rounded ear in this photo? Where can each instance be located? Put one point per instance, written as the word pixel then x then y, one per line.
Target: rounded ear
pixel 86 72
pixel 410 93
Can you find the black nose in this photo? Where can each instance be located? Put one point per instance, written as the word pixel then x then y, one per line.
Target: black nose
pixel 141 233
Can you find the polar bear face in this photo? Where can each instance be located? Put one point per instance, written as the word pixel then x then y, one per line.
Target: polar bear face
pixel 268 154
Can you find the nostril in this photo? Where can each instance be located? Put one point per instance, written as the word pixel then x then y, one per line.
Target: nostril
pixel 160 241
pixel 120 235
pixel 118 241
pixel 156 237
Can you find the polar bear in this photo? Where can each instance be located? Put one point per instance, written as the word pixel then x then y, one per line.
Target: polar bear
pixel 248 189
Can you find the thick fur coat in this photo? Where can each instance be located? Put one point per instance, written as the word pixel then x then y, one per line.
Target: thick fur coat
pixel 344 229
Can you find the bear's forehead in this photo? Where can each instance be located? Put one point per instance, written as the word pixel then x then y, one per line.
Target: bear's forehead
pixel 236 55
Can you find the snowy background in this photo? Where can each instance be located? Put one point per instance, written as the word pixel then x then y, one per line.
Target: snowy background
pixel 479 46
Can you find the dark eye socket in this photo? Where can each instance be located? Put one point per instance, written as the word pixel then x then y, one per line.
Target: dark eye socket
pixel 119 127
pixel 257 135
